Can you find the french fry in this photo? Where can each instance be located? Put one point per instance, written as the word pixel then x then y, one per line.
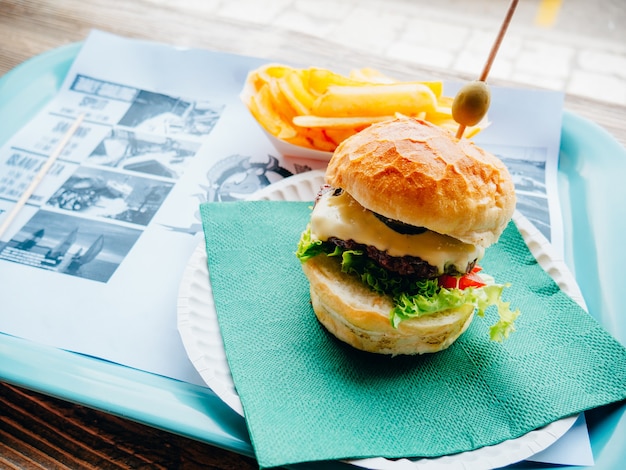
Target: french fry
pixel 338 122
pixel 370 75
pixel 299 82
pixel 280 102
pixel 261 107
pixel 373 76
pixel 436 87
pixel 317 139
pixel 293 89
pixel 321 79
pixel 375 100
pixel 270 72
pixel 336 135
pixel 439 115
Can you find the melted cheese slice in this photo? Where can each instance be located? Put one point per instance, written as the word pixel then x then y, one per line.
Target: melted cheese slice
pixel 343 217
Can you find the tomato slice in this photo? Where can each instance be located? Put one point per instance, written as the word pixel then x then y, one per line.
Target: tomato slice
pixel 447 281
pixel 471 279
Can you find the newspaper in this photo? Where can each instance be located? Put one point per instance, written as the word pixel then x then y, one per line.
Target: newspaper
pixel 93 262
pixel 104 239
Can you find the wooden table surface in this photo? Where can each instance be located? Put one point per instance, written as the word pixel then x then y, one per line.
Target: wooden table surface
pixel 38 431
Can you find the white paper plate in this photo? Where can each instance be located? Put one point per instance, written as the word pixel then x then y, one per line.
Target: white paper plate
pixel 199 329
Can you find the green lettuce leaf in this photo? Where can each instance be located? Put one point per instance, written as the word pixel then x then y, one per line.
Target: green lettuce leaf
pixel 414 297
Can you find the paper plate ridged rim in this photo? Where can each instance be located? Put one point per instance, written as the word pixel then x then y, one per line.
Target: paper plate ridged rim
pixel 199 330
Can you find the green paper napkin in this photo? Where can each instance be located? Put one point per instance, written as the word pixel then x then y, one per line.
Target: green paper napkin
pixel 309 397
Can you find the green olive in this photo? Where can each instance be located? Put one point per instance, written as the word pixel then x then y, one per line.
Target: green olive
pixel 471 103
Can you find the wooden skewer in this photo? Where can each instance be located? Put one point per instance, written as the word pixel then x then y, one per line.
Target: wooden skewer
pixel 40 175
pixel 492 54
pixel 498 41
pixel 459 133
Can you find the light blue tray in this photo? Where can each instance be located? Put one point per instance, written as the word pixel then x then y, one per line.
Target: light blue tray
pixel 592 177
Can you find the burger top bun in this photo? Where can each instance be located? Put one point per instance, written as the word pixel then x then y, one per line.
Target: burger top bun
pixel 420 174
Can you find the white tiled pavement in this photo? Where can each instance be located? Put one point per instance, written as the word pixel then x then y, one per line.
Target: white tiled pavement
pixel 579 49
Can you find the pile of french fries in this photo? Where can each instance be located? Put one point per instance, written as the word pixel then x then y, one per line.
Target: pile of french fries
pixel 318 109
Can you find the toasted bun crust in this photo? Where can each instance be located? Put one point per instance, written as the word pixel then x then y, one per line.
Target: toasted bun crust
pixel 420 174
pixel 360 317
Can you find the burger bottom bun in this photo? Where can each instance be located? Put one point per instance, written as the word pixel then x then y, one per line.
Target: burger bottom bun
pixel 360 317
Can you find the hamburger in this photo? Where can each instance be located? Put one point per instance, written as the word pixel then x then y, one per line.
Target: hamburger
pixel 396 235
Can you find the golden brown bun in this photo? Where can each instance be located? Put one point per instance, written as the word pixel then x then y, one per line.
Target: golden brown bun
pixel 420 174
pixel 360 317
